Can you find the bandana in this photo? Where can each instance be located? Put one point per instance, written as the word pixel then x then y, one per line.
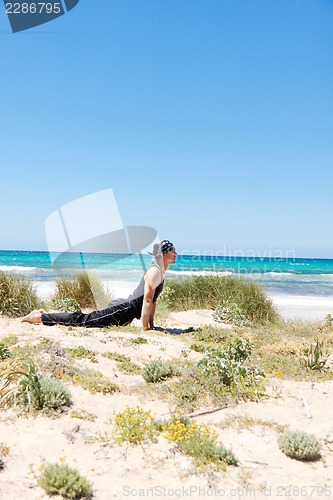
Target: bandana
pixel 166 246
pixel 161 248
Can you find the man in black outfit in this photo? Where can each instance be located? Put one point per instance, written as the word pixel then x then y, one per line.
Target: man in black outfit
pixel 140 304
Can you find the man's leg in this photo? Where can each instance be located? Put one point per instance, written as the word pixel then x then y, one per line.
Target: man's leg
pixel 116 315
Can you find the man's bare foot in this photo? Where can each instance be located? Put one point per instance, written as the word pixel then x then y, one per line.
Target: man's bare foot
pixel 34 317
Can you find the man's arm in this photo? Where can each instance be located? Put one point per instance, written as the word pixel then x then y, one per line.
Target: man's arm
pixel 152 280
pixel 152 315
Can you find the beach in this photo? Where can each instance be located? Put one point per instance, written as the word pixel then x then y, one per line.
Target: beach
pixel 81 435
pixel 126 123
pixel 300 288
pixel 303 307
pixel 159 470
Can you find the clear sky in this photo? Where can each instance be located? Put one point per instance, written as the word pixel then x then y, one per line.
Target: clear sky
pixel 212 120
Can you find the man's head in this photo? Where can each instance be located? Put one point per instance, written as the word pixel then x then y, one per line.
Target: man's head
pixel 165 250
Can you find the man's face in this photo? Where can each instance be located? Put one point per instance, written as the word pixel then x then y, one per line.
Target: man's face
pixel 172 255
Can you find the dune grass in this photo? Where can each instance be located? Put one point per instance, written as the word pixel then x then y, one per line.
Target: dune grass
pixel 86 289
pixel 24 385
pixel 210 292
pixel 17 295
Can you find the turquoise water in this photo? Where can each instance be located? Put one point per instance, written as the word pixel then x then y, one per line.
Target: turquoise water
pixel 294 276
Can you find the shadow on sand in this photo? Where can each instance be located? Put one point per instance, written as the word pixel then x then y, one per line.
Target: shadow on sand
pixel 175 331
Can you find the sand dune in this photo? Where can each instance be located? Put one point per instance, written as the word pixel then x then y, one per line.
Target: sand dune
pixel 157 470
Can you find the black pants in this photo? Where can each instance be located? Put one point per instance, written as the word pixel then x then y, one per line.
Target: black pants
pixel 121 314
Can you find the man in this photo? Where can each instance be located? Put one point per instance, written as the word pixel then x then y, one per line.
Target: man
pixel 141 303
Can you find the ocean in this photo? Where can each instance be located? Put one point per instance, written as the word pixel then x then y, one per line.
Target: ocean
pixel 289 281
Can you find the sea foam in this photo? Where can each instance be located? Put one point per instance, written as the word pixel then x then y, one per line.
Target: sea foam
pixel 18 269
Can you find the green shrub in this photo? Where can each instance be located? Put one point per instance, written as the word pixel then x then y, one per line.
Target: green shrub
pixel 230 314
pixel 64 481
pixel 229 363
pixel 198 441
pixel 238 349
pixel 199 388
pixel 299 445
pixel 4 449
pixel 81 352
pixel 53 395
pixel 91 380
pixel 9 340
pixel 315 357
pixel 129 367
pixel 116 356
pixel 139 341
pixel 86 289
pixel 17 296
pixel 83 415
pixel 134 425
pixel 28 388
pixel 124 362
pixel 211 334
pixel 157 370
pixel 209 292
pixel 4 351
pixel 66 305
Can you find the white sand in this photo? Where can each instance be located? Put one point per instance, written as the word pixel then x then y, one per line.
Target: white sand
pixel 304 307
pixel 158 470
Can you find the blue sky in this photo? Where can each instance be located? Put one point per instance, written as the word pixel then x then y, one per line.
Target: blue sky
pixel 212 120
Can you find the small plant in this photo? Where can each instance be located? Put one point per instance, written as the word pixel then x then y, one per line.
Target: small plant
pixel 139 340
pixel 328 321
pixel 83 415
pixel 198 441
pixel 157 370
pixel 4 449
pixel 299 445
pixel 29 388
pixel 238 349
pixel 96 383
pixel 210 334
pixel 81 352
pixel 54 395
pixel 229 364
pixel 315 357
pixel 9 340
pixel 230 314
pixel 91 380
pixel 4 351
pixel 62 480
pixel 134 425
pixel 66 305
pixel 86 289
pixel 245 422
pixel 17 295
pixel 129 367
pixel 198 347
pixel 50 347
pixel 116 356
pixel 104 438
pixel 124 362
